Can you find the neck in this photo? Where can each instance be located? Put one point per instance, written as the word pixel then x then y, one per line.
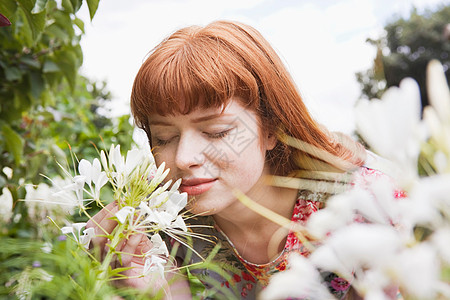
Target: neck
pixel 248 230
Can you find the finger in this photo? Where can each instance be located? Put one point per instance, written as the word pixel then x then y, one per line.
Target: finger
pixel 103 224
pixel 107 212
pixel 135 246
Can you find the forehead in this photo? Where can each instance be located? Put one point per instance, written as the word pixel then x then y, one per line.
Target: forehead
pixel 233 110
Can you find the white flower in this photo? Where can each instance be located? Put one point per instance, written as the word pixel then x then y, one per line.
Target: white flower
pixel 392 125
pixel 136 157
pixel 55 200
pixel 124 213
pixel 8 172
pixel 163 210
pixel 6 204
pixel 87 236
pixel 154 264
pixel 301 280
pixel 355 247
pixel 158 220
pixel 47 247
pixel 338 213
pixel 375 202
pixel 92 173
pixel 426 199
pixel 122 168
pixel 417 270
pixel 159 247
pixel 441 242
pixel 75 230
pixel 171 202
pixel 438 91
pixel 116 159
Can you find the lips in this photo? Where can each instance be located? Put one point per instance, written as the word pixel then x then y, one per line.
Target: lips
pixel 196 186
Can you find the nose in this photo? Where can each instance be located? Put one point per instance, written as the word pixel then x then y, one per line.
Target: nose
pixel 190 152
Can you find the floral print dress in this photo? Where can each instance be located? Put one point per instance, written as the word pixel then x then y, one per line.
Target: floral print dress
pixel 243 279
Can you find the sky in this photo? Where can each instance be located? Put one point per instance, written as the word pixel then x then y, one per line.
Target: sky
pixel 322 42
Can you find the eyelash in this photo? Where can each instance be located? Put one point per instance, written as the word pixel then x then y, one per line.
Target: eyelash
pixel 161 142
pixel 218 135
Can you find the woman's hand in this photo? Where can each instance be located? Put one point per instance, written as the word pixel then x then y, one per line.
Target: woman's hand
pixel 131 250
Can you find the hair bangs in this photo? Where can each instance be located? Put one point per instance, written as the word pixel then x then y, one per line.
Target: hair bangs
pixel 184 75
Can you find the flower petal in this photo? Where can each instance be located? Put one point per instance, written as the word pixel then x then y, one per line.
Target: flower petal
pixel 123 213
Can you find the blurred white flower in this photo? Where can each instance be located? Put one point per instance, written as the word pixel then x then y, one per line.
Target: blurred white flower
pixel 8 172
pixel 6 204
pixel 437 117
pixel 417 271
pixel 441 242
pixel 392 126
pixel 375 202
pixel 47 247
pixel 438 91
pixel 390 251
pixel 301 280
pixel 428 202
pixel 339 213
pixel 57 200
pixel 356 247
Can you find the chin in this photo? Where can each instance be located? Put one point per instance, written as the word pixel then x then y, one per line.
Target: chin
pixel 196 207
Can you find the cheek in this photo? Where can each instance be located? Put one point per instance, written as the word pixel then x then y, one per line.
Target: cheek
pixel 249 164
pixel 164 156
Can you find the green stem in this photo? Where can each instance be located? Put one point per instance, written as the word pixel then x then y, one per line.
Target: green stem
pixel 104 268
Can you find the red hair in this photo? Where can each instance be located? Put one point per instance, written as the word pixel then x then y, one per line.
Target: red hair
pixel 205 67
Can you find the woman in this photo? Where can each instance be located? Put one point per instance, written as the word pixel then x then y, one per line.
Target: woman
pixel 220 109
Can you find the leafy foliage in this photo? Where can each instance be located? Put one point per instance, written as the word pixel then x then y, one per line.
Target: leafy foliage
pixel 46 107
pixel 48 112
pixel 405 50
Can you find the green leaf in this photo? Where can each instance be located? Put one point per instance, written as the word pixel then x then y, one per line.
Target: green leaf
pixel 68 63
pixel 92 5
pixel 79 23
pixel 67 5
pixel 37 84
pixel 39 6
pixel 13 73
pixel 34 63
pixel 76 4
pixel 59 33
pixel 64 22
pixel 50 66
pixel 22 29
pixel 196 286
pixel 14 143
pixel 35 21
pixel 8 9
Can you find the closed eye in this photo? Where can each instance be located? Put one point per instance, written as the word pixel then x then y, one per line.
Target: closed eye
pixel 162 142
pixel 219 135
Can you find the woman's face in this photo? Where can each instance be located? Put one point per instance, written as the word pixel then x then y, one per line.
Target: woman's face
pixel 213 151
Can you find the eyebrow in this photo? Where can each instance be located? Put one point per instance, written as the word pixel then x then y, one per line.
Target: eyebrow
pixel 196 120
